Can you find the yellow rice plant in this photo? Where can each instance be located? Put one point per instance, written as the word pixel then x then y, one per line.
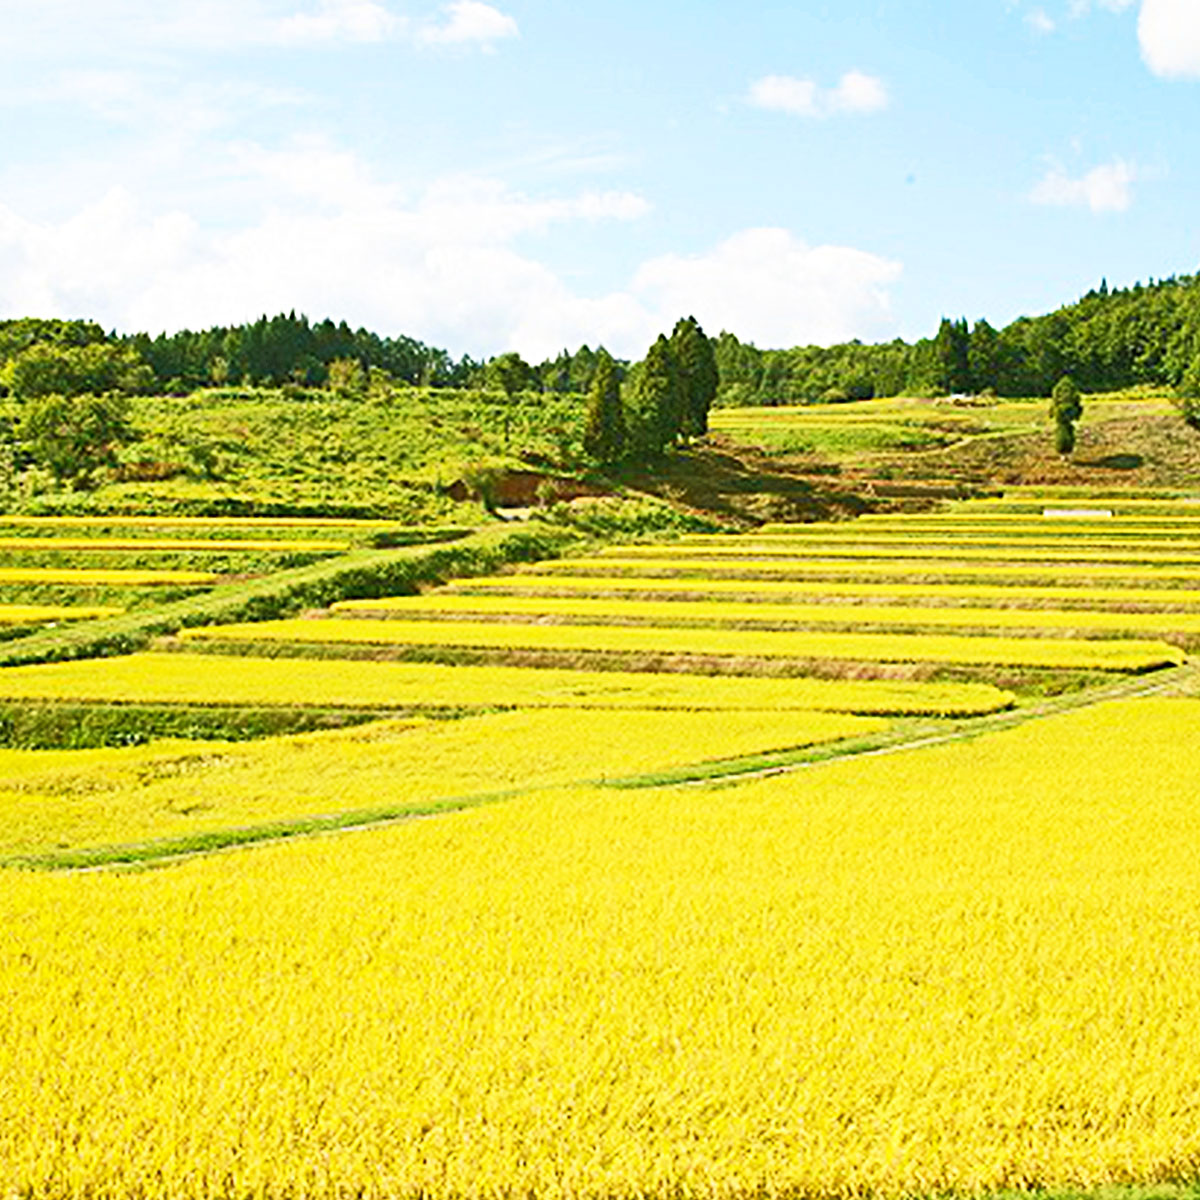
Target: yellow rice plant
pixel 52 799
pixel 900 567
pixel 111 521
pixel 40 614
pixel 1070 653
pixel 334 683
pixel 1130 541
pixel 774 590
pixel 89 577
pixel 157 543
pixel 956 970
pixel 918 550
pixel 734 612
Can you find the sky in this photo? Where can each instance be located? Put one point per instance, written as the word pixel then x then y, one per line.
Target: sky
pixel 537 174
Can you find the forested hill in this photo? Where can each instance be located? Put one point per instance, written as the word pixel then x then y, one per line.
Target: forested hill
pixel 1109 340
pixel 1148 334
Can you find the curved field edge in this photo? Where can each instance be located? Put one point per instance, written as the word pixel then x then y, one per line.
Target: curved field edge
pixel 359 574
pixel 289 683
pixel 905 735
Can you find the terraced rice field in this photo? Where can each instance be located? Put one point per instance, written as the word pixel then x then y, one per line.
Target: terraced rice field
pixel 116 562
pixel 749 613
pixel 212 680
pixel 149 793
pixel 811 903
pixel 1124 655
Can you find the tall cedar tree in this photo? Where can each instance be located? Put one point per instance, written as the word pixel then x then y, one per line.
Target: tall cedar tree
pixel 604 437
pixel 696 362
pixel 951 350
pixel 654 412
pixel 1066 407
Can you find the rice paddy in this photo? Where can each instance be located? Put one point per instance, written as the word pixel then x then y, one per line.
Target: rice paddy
pixel 820 862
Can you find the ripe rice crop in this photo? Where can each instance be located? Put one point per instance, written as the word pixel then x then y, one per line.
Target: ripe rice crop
pixel 219 524
pixel 51 799
pixel 1187 518
pixel 291 545
pixel 208 679
pixel 97 577
pixel 1131 541
pixel 1076 654
pixel 732 612
pixel 825 551
pixel 38 614
pixel 953 971
pixel 776 590
pixel 902 567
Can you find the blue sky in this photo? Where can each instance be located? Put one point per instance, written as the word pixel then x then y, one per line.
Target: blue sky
pixel 531 175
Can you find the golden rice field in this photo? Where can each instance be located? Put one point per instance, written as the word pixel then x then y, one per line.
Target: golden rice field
pixel 1075 653
pixel 988 568
pixel 775 590
pixel 219 525
pixel 817 551
pixel 37 614
pixel 952 970
pixel 224 544
pixel 211 679
pixel 735 612
pixel 51 800
pixel 1011 537
pixel 98 577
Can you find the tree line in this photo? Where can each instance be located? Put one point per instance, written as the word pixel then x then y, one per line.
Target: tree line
pixel 73 379
pixel 1111 339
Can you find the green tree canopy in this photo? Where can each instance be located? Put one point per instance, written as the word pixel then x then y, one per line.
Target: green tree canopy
pixel 696 363
pixel 604 437
pixel 74 436
pixel 509 373
pixel 1066 407
pixel 45 369
pixel 654 407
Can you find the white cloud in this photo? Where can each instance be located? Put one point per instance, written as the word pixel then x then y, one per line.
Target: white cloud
pixel 1040 21
pixel 1169 33
pixel 858 93
pixel 1106 188
pixel 466 22
pixel 318 232
pixel 1081 8
pixel 854 93
pixel 770 287
pixel 338 20
pixel 55 27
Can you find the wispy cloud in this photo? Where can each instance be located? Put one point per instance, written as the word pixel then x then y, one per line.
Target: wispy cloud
pixel 855 92
pixel 36 27
pixel 1106 188
pixel 1040 21
pixel 1081 8
pixel 468 22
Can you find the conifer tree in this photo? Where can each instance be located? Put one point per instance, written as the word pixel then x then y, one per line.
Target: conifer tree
pixel 696 362
pixel 604 437
pixel 1066 407
pixel 654 412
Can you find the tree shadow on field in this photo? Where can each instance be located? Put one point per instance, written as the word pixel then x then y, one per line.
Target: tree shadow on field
pixel 1115 462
